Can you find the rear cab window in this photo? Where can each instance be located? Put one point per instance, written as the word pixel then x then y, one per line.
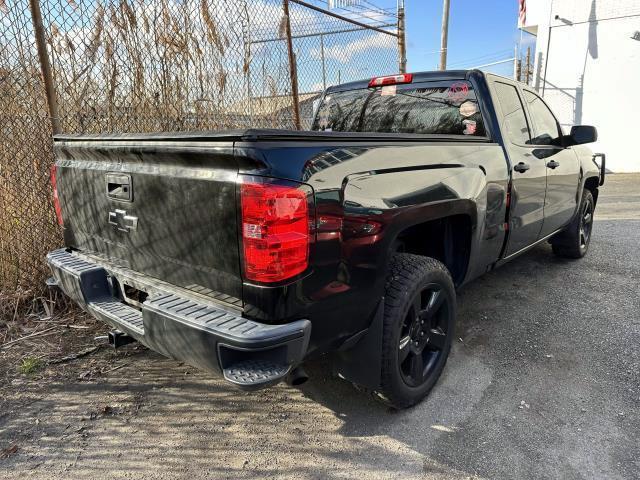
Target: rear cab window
pixel 436 107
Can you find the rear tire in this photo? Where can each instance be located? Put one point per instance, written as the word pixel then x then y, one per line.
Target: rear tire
pixel 573 242
pixel 418 327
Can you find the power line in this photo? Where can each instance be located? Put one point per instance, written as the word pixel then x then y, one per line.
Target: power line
pixel 483 58
pixel 494 63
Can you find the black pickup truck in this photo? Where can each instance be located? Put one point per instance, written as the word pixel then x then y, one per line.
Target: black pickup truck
pixel 248 252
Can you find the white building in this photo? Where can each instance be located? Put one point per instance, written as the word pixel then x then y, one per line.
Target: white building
pixel 587 66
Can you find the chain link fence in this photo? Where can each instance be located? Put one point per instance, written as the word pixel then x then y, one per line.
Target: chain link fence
pixel 156 65
pixel 27 222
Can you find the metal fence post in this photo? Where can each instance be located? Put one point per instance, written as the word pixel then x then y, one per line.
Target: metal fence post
pixel 324 67
pixel 292 66
pixel 45 65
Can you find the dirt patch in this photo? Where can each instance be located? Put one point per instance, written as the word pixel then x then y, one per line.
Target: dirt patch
pixel 39 359
pixel 43 349
pixel 65 349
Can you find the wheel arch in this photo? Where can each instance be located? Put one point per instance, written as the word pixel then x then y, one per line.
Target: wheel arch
pixel 445 235
pixel 592 184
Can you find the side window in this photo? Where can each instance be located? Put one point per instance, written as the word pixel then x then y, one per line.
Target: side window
pixel 515 121
pixel 545 126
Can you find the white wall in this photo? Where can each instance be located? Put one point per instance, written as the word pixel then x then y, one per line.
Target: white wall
pixel 593 73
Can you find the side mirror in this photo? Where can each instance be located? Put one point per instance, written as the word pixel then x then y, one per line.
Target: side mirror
pixel 582 134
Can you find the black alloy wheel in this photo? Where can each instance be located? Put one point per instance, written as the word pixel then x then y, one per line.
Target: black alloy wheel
pixel 418 327
pixel 573 241
pixel 586 223
pixel 424 334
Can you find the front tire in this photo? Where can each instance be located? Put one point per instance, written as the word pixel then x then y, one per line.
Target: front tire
pixel 418 327
pixel 574 241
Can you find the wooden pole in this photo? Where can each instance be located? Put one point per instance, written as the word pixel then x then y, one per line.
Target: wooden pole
pixel 527 72
pixel 445 35
pixel 402 47
pixel 293 71
pixel 45 65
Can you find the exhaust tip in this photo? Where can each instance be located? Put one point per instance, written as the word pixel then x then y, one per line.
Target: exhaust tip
pixel 297 377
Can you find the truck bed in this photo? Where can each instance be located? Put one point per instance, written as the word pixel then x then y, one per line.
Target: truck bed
pixel 257 134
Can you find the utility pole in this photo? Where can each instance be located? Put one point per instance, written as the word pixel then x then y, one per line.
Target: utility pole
pixel 445 35
pixel 45 65
pixel 519 70
pixel 293 71
pixel 402 47
pixel 516 73
pixel 527 72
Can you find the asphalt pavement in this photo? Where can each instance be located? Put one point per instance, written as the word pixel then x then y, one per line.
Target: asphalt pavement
pixel 543 382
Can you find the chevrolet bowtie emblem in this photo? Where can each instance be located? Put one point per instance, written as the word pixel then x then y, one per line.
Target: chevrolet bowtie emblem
pixel 122 221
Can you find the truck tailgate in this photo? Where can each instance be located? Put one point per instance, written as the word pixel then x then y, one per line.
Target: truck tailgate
pixel 166 209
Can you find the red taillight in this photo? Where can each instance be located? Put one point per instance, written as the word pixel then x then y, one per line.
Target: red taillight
pixel 391 80
pixel 275 231
pixel 56 200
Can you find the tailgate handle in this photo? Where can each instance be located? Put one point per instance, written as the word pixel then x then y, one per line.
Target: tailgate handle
pixel 119 186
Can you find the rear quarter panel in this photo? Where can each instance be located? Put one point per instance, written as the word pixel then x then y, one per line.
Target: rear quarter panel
pixel 365 196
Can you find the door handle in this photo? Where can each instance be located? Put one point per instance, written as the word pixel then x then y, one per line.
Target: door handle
pixel 521 167
pixel 552 164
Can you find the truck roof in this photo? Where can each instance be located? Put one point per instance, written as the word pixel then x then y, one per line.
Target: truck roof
pixel 417 77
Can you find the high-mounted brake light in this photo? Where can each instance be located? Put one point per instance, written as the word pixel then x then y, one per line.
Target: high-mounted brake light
pixel 56 199
pixel 275 230
pixel 391 80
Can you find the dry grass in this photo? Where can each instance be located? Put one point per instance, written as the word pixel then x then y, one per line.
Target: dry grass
pixel 20 309
pixel 28 229
pixel 122 66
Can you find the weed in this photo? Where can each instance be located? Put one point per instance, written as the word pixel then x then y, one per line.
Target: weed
pixel 30 365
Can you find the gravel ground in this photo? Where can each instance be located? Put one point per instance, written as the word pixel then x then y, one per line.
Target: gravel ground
pixel 543 382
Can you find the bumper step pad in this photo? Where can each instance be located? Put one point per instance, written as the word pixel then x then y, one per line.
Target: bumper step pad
pixel 255 373
pixel 116 311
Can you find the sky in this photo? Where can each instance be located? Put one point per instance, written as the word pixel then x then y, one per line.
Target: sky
pixel 480 32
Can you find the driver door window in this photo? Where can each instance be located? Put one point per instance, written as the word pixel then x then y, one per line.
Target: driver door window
pixel 545 125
